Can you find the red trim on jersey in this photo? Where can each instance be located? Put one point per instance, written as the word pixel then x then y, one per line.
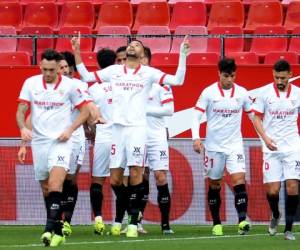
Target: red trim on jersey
pixel 59 81
pixel 90 84
pixel 125 69
pixel 161 81
pixel 97 77
pixel 167 101
pixel 200 109
pixel 289 91
pixel 276 90
pixel 166 87
pixel 81 104
pixel 23 101
pixel 257 112
pixel 222 91
pixel 137 69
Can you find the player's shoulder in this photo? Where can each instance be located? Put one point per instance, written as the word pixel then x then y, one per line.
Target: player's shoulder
pixel 210 89
pixel 295 88
pixel 34 79
pixel 240 89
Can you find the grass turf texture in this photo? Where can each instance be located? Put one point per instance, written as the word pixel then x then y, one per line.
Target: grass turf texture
pixel 185 237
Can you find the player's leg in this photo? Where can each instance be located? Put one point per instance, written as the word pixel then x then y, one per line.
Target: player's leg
pixel 58 165
pixel 273 172
pixel 144 199
pixel 135 154
pixel 235 165
pixel 214 163
pixel 291 175
pixel 99 174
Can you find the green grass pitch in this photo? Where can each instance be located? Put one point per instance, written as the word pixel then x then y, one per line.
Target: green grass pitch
pixel 185 238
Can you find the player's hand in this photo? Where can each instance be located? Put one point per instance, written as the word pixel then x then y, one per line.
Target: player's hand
pixel 66 135
pixel 26 134
pixel 270 143
pixel 22 154
pixel 198 146
pixel 99 120
pixel 185 46
pixel 75 41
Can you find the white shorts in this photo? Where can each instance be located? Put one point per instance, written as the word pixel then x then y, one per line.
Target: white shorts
pixel 157 155
pixel 128 146
pixel 215 163
pixel 101 159
pixel 281 166
pixel 126 172
pixel 48 155
pixel 77 156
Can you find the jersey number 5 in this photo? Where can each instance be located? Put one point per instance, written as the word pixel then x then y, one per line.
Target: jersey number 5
pixel 113 149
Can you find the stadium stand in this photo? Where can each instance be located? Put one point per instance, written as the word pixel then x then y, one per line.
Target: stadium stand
pixel 164 59
pixel 244 58
pixel 8 44
pixel 188 13
pixel 89 58
pixel 14 59
pixel 295 42
pixel 203 59
pixel 272 57
pixel 11 14
pixel 292 19
pixel 157 44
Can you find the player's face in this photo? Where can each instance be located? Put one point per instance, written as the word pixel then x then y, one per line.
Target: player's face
pixel 121 57
pixel 227 79
pixel 281 79
pixel 49 69
pixel 64 68
pixel 135 49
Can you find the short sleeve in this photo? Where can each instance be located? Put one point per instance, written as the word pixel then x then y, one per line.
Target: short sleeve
pixel 96 93
pixel 157 75
pixel 258 106
pixel 247 102
pixel 25 96
pixel 166 94
pixel 77 96
pixel 104 75
pixel 202 101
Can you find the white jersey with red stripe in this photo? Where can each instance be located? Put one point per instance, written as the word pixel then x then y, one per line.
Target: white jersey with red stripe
pixel 224 114
pixel 280 116
pixel 102 96
pixel 78 135
pixel 51 106
pixel 130 91
pixel 156 127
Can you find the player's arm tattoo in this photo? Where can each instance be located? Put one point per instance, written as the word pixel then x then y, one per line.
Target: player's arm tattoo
pixel 20 116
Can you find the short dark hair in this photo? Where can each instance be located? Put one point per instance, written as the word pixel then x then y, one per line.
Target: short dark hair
pixel 106 57
pixel 227 65
pixel 121 49
pixel 50 55
pixel 282 65
pixel 147 52
pixel 70 58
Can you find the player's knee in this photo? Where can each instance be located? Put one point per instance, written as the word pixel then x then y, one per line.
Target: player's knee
pixel 292 187
pixel 55 186
pixel 115 181
pixel 161 178
pixel 215 184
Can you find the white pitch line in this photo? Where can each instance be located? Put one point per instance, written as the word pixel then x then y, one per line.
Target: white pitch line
pixel 142 240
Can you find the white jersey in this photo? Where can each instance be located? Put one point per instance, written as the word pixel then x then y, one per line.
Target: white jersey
pixel 130 90
pixel 280 115
pixel 102 96
pixel 224 114
pixel 156 127
pixel 51 106
pixel 78 135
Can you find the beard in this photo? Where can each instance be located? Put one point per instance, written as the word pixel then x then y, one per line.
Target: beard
pixel 281 87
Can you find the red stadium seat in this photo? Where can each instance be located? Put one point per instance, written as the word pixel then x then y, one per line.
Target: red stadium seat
pixel 244 58
pixel 41 14
pixel 76 14
pixel 42 44
pixel 190 1
pixel 8 44
pixel 264 14
pixel 231 44
pixel 272 57
pixel 188 13
pixel 152 14
pixel 203 59
pixel 70 1
pixel 198 44
pixel 63 44
pixel 164 59
pixel 209 2
pixel 14 59
pixel 262 46
pixel 295 42
pixel 226 14
pixel 292 19
pixel 156 44
pixel 112 42
pixel 10 14
pixel 147 1
pixel 36 1
pixel 122 14
pixel 89 58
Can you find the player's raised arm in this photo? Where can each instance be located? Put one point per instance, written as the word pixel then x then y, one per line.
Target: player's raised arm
pixel 178 78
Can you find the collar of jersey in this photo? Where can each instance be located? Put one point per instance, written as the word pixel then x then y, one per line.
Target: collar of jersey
pixel 222 91
pixel 56 85
pixel 287 93
pixel 134 72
